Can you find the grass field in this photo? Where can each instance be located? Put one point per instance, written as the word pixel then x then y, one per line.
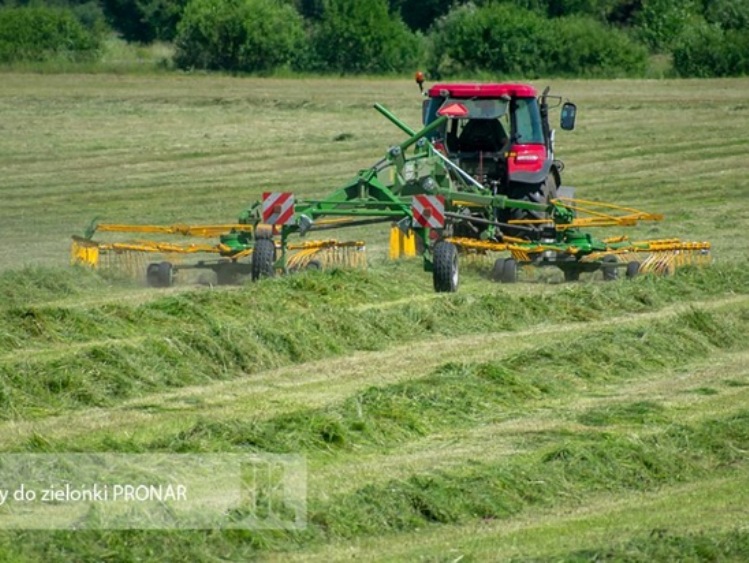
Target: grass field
pixel 541 421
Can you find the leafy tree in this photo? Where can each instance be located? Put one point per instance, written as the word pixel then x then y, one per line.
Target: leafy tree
pixel 706 50
pixel 728 14
pixel 88 12
pixel 41 33
pixel 496 37
pixel 363 36
pixel 583 46
pixel 311 9
pixel 238 35
pixel 508 40
pixel 421 14
pixel 144 20
pixel 660 22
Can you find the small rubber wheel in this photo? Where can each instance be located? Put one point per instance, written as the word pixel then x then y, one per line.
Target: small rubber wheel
pixel 152 275
pixel 571 274
pixel 610 272
pixel 498 270
pixel 633 269
pixel 263 259
pixel 160 274
pixel 313 265
pixel 509 271
pixel 445 267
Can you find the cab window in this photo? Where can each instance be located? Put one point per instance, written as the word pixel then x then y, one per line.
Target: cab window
pixel 528 121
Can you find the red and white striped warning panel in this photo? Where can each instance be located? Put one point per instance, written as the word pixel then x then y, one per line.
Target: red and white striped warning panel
pixel 278 208
pixel 428 211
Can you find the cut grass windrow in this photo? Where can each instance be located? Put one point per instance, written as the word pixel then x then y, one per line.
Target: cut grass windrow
pixel 69 357
pixel 468 394
pixel 564 474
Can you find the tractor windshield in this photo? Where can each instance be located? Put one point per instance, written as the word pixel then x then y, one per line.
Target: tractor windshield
pixel 474 109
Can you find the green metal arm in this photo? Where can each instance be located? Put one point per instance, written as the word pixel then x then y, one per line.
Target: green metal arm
pixel 397 122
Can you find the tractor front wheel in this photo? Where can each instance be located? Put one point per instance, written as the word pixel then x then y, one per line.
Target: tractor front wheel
pixel 263 259
pixel 445 267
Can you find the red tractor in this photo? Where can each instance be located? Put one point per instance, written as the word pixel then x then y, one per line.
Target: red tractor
pixel 500 135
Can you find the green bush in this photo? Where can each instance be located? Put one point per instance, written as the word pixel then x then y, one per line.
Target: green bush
pixel 42 33
pixel 728 14
pixel 505 39
pixel 660 22
pixel 585 47
pixel 238 35
pixel 144 21
pixel 363 37
pixel 706 50
pixel 497 37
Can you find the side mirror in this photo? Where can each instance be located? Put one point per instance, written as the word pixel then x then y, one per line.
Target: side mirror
pixel 567 120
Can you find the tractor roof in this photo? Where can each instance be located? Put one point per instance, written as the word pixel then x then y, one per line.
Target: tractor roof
pixel 477 90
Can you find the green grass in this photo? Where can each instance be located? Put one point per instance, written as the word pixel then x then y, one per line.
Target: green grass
pixel 534 422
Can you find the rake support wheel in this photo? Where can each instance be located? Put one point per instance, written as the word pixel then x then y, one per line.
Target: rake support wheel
pixel 263 259
pixel 160 274
pixel 510 271
pixel 610 271
pixel 633 269
pixel 445 267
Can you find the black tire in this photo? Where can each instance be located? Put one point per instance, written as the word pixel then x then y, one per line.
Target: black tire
pixel 571 274
pixel 313 265
pixel 610 272
pixel 542 193
pixel 633 269
pixel 509 271
pixel 160 274
pixel 263 259
pixel 445 267
pixel 498 270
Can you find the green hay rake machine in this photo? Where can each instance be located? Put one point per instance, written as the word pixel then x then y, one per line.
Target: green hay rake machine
pixel 478 179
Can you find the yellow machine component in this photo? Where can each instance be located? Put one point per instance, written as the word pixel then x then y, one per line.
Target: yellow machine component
pixel 84 251
pixel 203 231
pixel 325 254
pixel 662 256
pixel 131 257
pixel 402 244
pixel 595 214
pixel 655 256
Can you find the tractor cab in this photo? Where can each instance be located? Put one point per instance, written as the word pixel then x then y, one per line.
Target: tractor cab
pixel 496 132
pixel 500 135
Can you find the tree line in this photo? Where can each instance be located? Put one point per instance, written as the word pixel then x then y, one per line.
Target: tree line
pixel 527 38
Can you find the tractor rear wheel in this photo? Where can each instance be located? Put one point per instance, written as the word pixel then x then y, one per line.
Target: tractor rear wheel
pixel 263 259
pixel 542 193
pixel 445 267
